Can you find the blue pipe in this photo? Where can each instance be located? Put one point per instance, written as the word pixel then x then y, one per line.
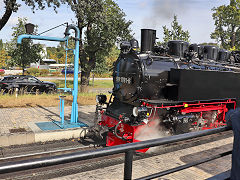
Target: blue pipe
pixel 27 36
pixel 62 111
pixel 65 72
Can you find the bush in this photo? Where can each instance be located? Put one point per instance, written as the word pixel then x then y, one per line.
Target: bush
pixel 33 71
pixel 56 73
pixel 102 75
pixel 44 72
pixel 71 75
pixel 37 72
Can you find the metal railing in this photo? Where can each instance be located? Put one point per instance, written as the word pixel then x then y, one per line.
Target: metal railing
pixel 128 149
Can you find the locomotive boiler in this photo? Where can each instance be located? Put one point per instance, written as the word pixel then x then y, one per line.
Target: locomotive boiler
pixel 175 89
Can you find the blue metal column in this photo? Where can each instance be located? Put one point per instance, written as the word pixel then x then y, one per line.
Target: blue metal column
pixel 62 111
pixel 74 114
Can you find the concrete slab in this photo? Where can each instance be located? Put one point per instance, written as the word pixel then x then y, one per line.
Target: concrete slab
pixel 59 134
pixel 4 140
pixel 34 127
pixel 17 139
pixel 30 138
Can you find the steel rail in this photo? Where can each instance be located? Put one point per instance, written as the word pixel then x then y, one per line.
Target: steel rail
pixel 84 155
pixel 43 153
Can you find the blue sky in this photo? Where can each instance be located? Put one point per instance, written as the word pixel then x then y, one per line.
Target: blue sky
pixel 194 15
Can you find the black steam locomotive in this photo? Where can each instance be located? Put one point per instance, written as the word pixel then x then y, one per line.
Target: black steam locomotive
pixel 175 89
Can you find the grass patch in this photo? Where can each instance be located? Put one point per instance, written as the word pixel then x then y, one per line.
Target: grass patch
pixel 47 100
pixel 95 84
pixel 101 84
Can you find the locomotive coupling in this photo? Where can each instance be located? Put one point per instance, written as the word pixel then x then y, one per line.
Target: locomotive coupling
pixel 124 118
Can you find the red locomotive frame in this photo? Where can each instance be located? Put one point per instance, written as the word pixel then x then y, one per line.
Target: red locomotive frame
pixel 126 133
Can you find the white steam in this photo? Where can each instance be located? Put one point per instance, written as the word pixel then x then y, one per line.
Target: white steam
pixel 152 130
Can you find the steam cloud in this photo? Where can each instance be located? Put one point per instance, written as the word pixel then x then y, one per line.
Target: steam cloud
pixel 167 8
pixel 152 130
pixel 164 10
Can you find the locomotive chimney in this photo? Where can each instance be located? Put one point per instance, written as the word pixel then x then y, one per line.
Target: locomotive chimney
pixel 148 37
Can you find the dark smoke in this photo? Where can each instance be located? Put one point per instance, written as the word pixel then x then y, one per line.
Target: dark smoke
pixel 167 8
pixel 164 10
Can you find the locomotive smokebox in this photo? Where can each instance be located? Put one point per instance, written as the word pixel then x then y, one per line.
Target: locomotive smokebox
pixel 148 38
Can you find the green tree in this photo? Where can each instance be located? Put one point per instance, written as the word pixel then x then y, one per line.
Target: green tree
pixel 1 44
pixel 58 53
pixel 210 44
pixel 176 32
pixel 3 58
pixel 227 25
pixel 13 5
pixel 103 23
pixel 26 53
pixel 105 64
pixel 112 57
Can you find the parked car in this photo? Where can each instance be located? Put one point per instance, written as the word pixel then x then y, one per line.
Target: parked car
pixel 26 84
pixel 69 71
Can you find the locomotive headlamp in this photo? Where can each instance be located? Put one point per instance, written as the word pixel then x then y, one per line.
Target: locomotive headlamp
pixel 101 99
pixel 139 110
pixel 135 111
pixel 29 28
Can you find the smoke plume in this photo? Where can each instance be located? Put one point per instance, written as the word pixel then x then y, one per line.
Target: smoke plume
pixel 164 10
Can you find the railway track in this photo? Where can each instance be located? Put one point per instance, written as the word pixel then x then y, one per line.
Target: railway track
pixel 92 164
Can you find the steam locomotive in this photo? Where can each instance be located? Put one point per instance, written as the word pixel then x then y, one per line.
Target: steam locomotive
pixel 175 89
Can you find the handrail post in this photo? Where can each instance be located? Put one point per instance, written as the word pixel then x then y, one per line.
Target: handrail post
pixel 128 165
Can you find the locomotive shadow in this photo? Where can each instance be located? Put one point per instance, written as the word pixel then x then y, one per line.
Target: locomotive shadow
pixel 184 145
pixel 213 167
